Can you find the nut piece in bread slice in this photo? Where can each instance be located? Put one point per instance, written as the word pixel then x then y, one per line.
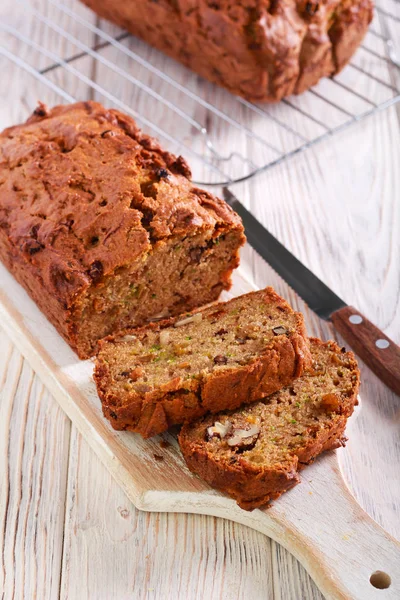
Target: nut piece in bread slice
pixel 218 358
pixel 254 454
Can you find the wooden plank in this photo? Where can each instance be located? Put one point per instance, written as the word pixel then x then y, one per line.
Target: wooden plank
pixel 346 229
pixel 167 486
pixel 295 230
pixel 23 88
pixel 34 431
pixel 34 448
pixel 291 580
pixel 112 550
pixel 35 20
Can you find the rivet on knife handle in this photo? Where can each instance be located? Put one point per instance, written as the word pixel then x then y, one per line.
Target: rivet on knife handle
pixel 378 351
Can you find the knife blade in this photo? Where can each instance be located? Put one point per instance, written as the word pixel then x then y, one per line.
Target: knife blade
pixel 377 350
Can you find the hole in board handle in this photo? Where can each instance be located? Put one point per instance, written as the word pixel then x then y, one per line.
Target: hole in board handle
pixel 380 580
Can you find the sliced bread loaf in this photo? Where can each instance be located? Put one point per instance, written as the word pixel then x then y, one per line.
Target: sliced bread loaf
pixel 254 453
pixel 177 370
pixel 95 218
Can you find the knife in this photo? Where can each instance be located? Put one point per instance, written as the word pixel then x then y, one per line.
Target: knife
pixel 378 351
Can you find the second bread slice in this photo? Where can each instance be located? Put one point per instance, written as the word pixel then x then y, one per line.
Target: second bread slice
pixel 224 356
pixel 255 453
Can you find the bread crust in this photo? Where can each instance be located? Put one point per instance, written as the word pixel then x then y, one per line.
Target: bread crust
pixel 254 485
pixel 74 209
pixel 262 50
pixel 284 359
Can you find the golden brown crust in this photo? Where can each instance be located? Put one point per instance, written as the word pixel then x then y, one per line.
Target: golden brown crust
pixel 284 359
pixel 253 485
pixel 84 192
pixel 260 49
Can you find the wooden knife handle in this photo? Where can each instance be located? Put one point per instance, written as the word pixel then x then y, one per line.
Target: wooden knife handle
pixel 378 351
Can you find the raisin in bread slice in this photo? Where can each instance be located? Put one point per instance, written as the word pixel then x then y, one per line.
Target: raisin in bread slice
pixel 254 454
pixel 219 358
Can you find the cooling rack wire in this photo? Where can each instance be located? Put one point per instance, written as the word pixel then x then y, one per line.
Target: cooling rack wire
pixel 73 55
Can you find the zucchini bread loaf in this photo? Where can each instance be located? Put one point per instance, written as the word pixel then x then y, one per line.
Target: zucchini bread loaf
pixel 104 228
pixel 254 454
pixel 262 50
pixel 178 370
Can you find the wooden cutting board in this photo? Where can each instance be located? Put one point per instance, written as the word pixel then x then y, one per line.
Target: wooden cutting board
pixel 319 521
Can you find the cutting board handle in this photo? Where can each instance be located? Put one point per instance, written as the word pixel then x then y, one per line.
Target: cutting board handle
pixel 345 551
pixel 378 351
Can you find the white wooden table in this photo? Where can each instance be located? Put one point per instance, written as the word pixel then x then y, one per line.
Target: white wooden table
pixel 66 528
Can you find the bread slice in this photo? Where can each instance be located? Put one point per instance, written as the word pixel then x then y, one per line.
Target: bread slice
pixel 254 453
pixel 221 357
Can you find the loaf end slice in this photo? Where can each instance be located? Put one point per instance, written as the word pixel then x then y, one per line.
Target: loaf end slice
pixel 254 454
pixel 104 228
pixel 218 358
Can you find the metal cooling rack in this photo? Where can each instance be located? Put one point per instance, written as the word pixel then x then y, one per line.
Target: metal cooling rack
pixel 74 56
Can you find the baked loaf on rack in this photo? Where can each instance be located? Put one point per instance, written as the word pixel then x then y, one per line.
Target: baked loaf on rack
pixel 262 50
pixel 103 228
pixel 254 453
pixel 226 355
